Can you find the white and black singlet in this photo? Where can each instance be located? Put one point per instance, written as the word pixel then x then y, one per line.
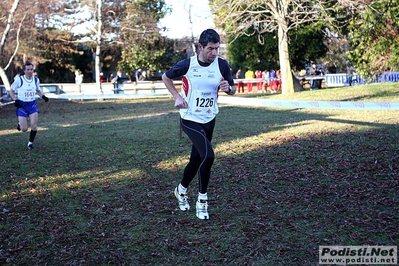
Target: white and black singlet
pixel 200 86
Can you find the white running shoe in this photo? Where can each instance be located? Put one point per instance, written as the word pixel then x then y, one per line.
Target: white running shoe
pixel 202 209
pixel 182 200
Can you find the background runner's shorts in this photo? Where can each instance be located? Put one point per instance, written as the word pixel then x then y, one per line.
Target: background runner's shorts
pixel 27 108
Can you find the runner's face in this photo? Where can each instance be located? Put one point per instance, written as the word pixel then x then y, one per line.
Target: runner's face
pixel 209 52
pixel 28 71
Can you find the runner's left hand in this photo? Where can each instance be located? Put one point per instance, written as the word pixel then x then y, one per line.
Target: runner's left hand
pixel 44 97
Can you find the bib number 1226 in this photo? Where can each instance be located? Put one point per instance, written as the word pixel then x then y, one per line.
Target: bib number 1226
pixel 204 102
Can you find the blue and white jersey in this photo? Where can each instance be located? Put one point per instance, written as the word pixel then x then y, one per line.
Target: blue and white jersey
pixel 25 89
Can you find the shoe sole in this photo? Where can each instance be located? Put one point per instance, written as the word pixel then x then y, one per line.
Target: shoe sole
pixel 205 218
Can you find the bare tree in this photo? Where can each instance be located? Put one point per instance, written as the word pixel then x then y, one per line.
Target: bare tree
pixel 3 74
pixel 37 33
pixel 98 44
pixel 190 19
pixel 248 17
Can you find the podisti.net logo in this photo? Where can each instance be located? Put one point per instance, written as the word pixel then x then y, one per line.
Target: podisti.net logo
pixel 358 255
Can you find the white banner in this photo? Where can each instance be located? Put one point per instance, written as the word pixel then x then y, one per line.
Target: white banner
pixel 342 79
pixel 388 77
pixel 339 80
pixel 309 104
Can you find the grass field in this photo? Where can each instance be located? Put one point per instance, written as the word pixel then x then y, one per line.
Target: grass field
pixel 97 188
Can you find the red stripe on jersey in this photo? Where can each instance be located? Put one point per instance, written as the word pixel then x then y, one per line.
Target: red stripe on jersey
pixel 185 85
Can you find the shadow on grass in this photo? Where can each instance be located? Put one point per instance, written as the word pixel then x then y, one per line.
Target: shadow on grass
pixel 98 188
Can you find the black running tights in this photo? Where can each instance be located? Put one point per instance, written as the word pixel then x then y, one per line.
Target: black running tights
pixel 202 154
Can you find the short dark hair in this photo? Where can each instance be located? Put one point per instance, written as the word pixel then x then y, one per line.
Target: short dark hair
pixel 27 63
pixel 207 36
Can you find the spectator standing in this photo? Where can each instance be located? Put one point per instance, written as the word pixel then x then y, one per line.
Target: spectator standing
pixel 203 76
pixel 302 75
pixel 273 81
pixel 240 83
pixel 26 87
pixel 143 76
pixel 350 73
pixel 102 79
pixel 332 69
pixel 249 75
pixel 279 81
pixel 314 82
pixel 313 74
pixel 258 75
pixel 78 77
pixel 116 81
pixel 79 80
pixel 138 74
pixel 265 77
pixel 110 77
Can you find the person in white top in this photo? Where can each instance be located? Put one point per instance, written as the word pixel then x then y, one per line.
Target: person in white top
pixel 203 76
pixel 23 92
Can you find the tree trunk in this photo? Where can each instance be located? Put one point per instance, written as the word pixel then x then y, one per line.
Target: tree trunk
pixel 287 85
pixel 4 78
pixel 98 47
pixel 8 27
pixel 297 84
